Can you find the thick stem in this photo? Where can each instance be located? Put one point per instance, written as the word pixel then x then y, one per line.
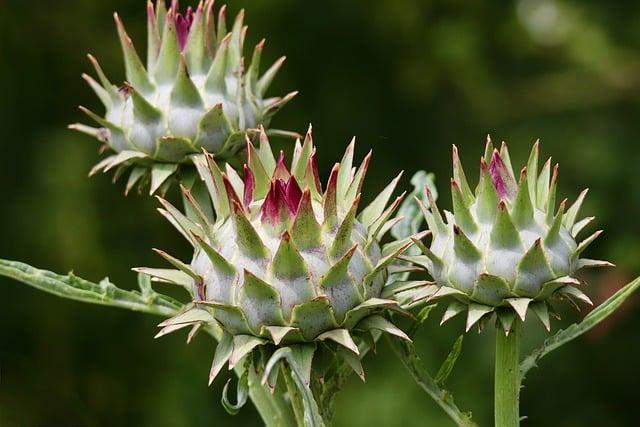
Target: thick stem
pixel 274 410
pixel 294 396
pixel 507 377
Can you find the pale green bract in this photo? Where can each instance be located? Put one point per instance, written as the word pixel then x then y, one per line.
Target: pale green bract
pixel 195 92
pixel 504 249
pixel 286 264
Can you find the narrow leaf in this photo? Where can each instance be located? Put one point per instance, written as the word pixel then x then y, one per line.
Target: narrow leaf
pixel 75 288
pixel 449 363
pixel 410 359
pixel 574 331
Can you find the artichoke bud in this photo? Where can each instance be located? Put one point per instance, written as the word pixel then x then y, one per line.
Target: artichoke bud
pixel 505 248
pixel 286 262
pixel 195 92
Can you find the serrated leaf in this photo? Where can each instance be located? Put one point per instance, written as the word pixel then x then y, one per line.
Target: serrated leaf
pixel 75 288
pixel 574 331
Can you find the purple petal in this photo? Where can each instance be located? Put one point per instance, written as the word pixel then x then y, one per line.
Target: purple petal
pixel 293 194
pixel 183 26
pixel 313 166
pixel 274 208
pixel 270 205
pixel 249 186
pixel 231 192
pixel 501 177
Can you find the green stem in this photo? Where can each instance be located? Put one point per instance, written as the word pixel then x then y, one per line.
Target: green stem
pixel 294 396
pixel 507 377
pixel 274 410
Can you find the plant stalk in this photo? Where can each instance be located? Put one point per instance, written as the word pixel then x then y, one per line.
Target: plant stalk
pixel 507 377
pixel 294 396
pixel 274 410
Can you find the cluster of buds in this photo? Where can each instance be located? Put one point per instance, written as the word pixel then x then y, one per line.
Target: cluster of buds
pixel 505 248
pixel 286 262
pixel 194 93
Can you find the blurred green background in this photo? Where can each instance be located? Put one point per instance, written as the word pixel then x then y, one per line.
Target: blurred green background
pixel 409 78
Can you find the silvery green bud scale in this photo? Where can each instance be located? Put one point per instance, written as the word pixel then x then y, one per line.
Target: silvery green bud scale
pixel 286 263
pixel 505 248
pixel 194 93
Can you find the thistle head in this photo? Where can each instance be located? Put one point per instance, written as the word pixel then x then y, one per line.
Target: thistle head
pixel 194 91
pixel 505 248
pixel 286 261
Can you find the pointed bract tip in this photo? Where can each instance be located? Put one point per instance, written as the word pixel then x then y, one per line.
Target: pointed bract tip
pixel 428 192
pixel 563 205
pixel 417 238
pixel 249 186
pixel 351 251
pixel 231 192
pixel 483 165
pixel 159 252
pixel 236 207
pixel 523 173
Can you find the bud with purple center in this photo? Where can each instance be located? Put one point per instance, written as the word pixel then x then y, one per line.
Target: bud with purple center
pixel 286 262
pixel 505 249
pixel 194 92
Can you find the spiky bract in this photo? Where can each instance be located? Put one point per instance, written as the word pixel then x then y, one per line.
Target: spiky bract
pixel 286 262
pixel 195 92
pixel 505 248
